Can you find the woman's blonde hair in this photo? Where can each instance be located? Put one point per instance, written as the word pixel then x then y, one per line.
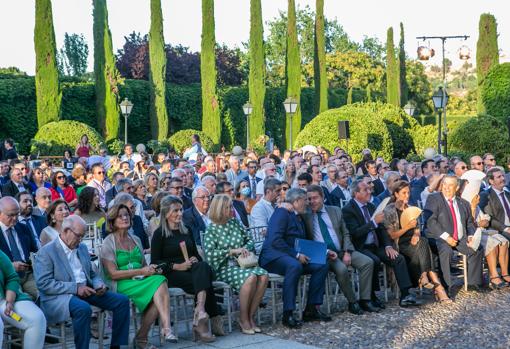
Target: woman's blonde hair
pixel 137 184
pixel 166 205
pixel 217 209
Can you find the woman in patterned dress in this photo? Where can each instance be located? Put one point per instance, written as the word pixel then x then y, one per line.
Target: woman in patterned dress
pixel 224 240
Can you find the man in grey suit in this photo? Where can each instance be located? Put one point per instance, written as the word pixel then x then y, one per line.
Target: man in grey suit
pixel 325 224
pixel 68 286
pixel 496 202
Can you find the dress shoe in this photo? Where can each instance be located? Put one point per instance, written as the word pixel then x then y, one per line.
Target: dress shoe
pixel 369 306
pixel 290 321
pixel 354 308
pixel 409 300
pixel 314 314
pixel 377 303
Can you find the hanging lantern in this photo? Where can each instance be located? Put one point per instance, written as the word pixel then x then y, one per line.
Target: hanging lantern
pixel 424 53
pixel 464 53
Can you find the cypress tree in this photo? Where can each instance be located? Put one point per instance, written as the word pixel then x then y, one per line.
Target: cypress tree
pixel 49 95
pixel 487 52
pixel 257 76
pixel 319 60
pixel 392 72
pixel 157 58
pixel 106 74
pixel 369 93
pixel 293 74
pixel 211 123
pixel 404 89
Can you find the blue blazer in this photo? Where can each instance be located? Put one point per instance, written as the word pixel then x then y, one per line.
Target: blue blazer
pixel 284 228
pixel 26 239
pixel 39 223
pixel 192 219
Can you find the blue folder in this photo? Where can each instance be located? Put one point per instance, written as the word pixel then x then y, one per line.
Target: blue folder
pixel 314 250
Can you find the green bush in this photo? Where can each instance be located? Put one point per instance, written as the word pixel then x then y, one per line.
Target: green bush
pixel 496 91
pixel 181 141
pixel 480 135
pixel 55 137
pixel 424 137
pixel 383 128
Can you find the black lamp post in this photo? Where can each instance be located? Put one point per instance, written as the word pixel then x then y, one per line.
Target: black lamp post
pixel 440 100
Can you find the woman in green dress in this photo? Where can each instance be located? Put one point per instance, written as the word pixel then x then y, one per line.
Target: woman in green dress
pixel 125 269
pixel 224 240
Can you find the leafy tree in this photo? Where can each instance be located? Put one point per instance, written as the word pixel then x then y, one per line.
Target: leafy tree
pixel 11 73
pixel 106 75
pixel 157 56
pixel 487 52
pixel 373 47
pixel 392 72
pixel 402 68
pixel 420 89
pixel 48 93
pixel 257 89
pixel 73 56
pixel 293 75
pixel 211 123
pixel 132 60
pixel 319 62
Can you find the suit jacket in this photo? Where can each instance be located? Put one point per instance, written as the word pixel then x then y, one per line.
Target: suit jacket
pixel 283 230
pixel 417 186
pixel 188 192
pixel 241 211
pixel 359 229
pixel 192 219
pixel 336 196
pixel 110 195
pixel 440 219
pixel 10 189
pixel 335 215
pixel 491 205
pixel 378 186
pixel 39 223
pixel 186 202
pixel 26 240
pixel 55 279
pixel 385 194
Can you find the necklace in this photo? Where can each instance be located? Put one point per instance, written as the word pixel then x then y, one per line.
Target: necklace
pixel 130 263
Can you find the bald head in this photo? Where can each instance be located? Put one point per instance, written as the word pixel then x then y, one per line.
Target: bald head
pixel 9 211
pixel 73 230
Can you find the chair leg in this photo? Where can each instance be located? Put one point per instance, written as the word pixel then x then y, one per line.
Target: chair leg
pixel 135 324
pixel 328 293
pixel 63 335
pixel 100 328
pixel 385 283
pixel 273 300
pixel 185 313
pixel 464 261
pixel 227 291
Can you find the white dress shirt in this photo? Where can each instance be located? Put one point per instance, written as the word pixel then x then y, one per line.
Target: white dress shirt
pixel 460 227
pixel 261 213
pixel 74 263
pixel 16 239
pixel 507 219
pixel 317 234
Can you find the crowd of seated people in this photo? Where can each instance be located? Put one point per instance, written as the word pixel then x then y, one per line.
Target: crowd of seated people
pixel 168 222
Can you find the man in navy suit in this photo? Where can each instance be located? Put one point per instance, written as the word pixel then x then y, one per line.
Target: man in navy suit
pixel 17 242
pixel 428 167
pixel 195 217
pixel 35 224
pixel 279 256
pixel 252 177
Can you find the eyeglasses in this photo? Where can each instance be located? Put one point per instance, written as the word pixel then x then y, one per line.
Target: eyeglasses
pixel 61 177
pixel 12 215
pixel 463 167
pixel 78 236
pixel 477 163
pixel 100 172
pixel 492 159
pixel 204 197
pixel 177 188
pixel 285 188
pixel 386 168
pixel 253 167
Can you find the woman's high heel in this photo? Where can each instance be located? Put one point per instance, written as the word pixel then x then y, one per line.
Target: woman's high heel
pixel 441 295
pixel 168 336
pixel 496 286
pixel 425 282
pixel 205 337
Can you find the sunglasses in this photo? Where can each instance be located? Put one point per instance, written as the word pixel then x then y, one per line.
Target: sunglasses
pixel 477 163
pixel 61 177
pixel 177 188
pixel 285 188
pixel 463 167
pixel 100 172
pixel 491 159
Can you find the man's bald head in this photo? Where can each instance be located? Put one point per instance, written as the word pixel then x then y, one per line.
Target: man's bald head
pixel 7 203
pixel 74 229
pixel 9 211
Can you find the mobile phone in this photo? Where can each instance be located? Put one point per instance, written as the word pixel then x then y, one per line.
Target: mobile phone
pixel 138 277
pixel 15 316
pixel 161 266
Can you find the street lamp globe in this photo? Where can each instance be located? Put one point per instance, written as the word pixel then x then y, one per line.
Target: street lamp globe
pixel 290 105
pixel 125 107
pixel 440 98
pixel 464 53
pixel 247 108
pixel 409 108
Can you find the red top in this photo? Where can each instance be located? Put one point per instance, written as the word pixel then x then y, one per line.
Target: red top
pixel 69 194
pixel 83 152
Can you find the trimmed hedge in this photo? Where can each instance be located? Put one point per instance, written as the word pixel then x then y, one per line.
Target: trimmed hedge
pixel 181 140
pixel 55 137
pixel 496 92
pixel 383 128
pixel 480 135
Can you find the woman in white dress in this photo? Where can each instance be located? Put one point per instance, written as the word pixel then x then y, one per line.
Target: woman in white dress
pixel 58 210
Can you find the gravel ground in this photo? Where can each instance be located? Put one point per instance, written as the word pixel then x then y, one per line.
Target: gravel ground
pixel 474 320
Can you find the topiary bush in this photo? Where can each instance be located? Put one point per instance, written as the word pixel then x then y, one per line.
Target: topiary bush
pixel 424 137
pixel 383 128
pixel 496 91
pixel 55 137
pixel 480 135
pixel 181 141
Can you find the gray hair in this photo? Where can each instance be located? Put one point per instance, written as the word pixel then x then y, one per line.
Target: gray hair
pixel 166 204
pixel 295 194
pixel 70 221
pixel 119 186
pixel 178 170
pixel 355 186
pixel 197 189
pixel 41 191
pixel 388 174
pixel 208 178
pixel 271 184
pixel 123 198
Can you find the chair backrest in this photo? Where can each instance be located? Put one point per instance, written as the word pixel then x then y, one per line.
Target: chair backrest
pixel 258 235
pixel 93 238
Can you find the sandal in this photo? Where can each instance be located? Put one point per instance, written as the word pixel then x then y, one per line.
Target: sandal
pixel 505 280
pixel 168 336
pixel 425 282
pixel 496 286
pixel 143 343
pixel 441 295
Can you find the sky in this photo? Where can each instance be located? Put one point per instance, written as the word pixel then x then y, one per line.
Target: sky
pixel 182 23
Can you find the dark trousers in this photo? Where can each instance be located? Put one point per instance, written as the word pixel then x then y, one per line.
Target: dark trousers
pixel 292 270
pixel 399 265
pixel 81 316
pixel 474 261
pixel 419 257
pixel 198 278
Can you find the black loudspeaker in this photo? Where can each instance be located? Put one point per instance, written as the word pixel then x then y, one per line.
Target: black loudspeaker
pixel 343 129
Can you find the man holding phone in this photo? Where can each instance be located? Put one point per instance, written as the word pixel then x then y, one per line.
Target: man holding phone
pixel 69 286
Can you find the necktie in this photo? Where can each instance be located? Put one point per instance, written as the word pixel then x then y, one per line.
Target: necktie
pixel 325 233
pixel 368 219
pixel 253 188
pixel 505 204
pixel 454 218
pixel 16 255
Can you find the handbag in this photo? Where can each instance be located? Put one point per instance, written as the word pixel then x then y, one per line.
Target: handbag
pixel 249 261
